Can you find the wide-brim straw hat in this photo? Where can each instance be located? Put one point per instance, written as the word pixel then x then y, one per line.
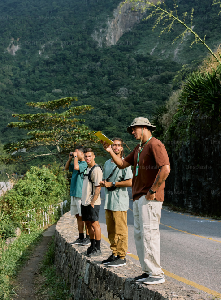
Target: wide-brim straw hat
pixel 141 122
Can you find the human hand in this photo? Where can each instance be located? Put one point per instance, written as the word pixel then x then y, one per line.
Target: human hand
pixel 150 196
pixel 108 184
pixel 92 204
pixel 106 146
pixel 71 155
pixel 102 183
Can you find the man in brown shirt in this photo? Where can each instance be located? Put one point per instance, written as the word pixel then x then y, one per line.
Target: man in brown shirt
pixel 151 168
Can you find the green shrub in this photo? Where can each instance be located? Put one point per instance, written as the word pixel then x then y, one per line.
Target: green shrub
pixel 38 193
pixel 199 100
pixel 7 226
pixel 202 91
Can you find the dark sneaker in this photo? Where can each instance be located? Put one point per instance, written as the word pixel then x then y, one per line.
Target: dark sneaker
pixel 78 241
pixel 154 280
pixel 110 259
pixel 117 263
pixel 93 252
pixel 85 242
pixel 142 277
pixel 89 250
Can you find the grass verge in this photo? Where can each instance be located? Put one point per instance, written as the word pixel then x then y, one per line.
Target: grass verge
pixel 12 257
pixel 51 286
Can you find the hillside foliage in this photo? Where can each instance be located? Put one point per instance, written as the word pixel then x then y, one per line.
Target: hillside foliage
pixel 48 52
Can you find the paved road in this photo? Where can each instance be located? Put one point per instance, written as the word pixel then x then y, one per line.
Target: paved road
pixel 190 249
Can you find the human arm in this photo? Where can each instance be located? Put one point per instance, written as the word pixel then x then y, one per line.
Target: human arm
pixel 121 163
pixel 76 165
pixel 162 175
pixel 69 161
pixel 124 183
pixel 96 195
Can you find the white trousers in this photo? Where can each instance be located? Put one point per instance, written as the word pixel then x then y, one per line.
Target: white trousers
pixel 147 235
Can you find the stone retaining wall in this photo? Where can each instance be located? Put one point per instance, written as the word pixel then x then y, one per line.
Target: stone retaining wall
pixel 90 280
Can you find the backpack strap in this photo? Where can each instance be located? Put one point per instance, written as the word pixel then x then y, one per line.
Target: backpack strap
pixel 111 173
pixel 89 177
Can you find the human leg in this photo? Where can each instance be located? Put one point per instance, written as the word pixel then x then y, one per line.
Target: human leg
pixel 80 224
pixel 121 232
pixel 121 238
pixel 137 233
pixel 76 209
pixel 91 215
pixel 149 216
pixel 111 231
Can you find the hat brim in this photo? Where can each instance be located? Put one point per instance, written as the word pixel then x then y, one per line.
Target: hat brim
pixel 129 129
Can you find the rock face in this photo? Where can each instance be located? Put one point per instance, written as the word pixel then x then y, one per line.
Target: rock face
pixel 12 48
pixel 194 181
pixel 124 18
pixel 88 279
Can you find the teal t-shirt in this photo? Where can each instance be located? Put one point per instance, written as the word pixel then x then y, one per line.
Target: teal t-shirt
pixel 117 200
pixel 77 179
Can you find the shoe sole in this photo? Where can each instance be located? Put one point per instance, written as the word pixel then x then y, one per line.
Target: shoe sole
pixel 116 266
pixel 141 280
pixel 105 263
pixel 76 243
pixel 154 282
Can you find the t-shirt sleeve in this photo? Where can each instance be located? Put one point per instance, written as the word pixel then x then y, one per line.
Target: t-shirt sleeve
pixel 130 158
pixel 82 166
pixel 71 168
pixel 128 174
pixel 160 154
pixel 105 170
pixel 97 176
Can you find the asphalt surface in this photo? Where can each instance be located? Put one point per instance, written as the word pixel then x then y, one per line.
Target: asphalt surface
pixel 190 248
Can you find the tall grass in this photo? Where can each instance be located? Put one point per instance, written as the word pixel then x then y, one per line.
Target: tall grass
pixel 12 257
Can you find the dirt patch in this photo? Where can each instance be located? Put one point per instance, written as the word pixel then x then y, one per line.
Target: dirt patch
pixel 25 281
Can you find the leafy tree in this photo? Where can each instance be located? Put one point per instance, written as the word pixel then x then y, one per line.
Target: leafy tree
pixel 57 132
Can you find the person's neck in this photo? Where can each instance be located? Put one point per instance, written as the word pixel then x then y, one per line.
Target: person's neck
pixel 146 137
pixel 81 159
pixel 91 164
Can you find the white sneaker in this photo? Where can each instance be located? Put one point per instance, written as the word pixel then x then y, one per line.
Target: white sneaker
pixel 154 280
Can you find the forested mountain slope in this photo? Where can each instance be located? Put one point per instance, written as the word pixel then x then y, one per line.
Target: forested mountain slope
pixel 48 50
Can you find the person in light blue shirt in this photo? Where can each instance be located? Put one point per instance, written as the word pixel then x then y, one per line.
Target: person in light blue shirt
pixel 116 205
pixel 77 168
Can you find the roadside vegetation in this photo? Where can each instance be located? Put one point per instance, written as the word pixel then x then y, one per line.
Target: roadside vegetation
pixel 50 285
pixel 32 205
pixel 12 257
pixel 199 98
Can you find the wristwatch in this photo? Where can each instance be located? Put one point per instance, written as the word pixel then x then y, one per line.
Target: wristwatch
pixel 151 192
pixel 114 184
pixel 75 155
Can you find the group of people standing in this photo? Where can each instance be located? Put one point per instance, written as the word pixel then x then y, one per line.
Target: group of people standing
pixel 151 168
